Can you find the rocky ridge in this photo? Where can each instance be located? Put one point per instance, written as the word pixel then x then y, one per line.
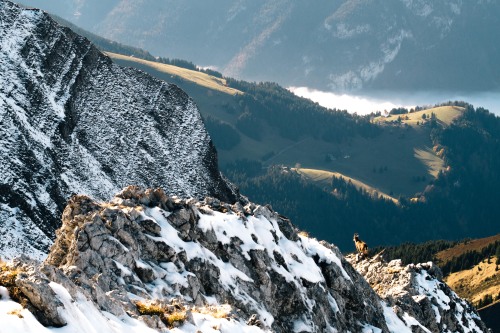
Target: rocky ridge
pixel 417 291
pixel 72 121
pixel 147 250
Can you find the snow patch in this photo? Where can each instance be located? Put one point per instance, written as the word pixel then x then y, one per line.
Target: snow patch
pixel 392 320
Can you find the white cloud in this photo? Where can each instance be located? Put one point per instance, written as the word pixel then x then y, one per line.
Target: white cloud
pixel 389 100
pixel 351 103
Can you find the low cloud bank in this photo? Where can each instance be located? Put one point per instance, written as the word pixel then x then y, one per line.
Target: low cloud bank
pixel 389 100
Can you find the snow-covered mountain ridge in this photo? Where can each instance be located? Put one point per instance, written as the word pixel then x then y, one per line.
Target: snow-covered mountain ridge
pixel 149 260
pixel 71 121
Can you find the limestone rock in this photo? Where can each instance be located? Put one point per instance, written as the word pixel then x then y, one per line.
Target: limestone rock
pixel 166 261
pixel 419 296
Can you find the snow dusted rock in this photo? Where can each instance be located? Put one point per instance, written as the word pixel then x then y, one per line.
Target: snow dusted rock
pixel 204 256
pixel 147 259
pixel 154 247
pixel 32 289
pixel 73 121
pixel 418 296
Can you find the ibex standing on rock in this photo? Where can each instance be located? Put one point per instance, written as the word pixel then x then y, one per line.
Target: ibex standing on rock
pixel 361 246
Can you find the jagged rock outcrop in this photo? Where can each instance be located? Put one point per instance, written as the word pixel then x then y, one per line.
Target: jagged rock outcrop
pixel 419 296
pixel 155 246
pixel 150 259
pixel 73 121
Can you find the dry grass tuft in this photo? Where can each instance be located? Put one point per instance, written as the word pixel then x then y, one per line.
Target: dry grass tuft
pixel 172 315
pixel 304 234
pixel 221 311
pixel 149 309
pixel 8 276
pixel 175 318
pixel 16 312
pixel 175 313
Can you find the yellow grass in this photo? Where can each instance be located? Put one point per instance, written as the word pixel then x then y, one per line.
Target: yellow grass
pixel 324 177
pixel 304 234
pixel 199 78
pixel 149 308
pixel 8 277
pixel 176 314
pixel 220 311
pixel 429 158
pixel 444 115
pixel 477 282
pixel 175 318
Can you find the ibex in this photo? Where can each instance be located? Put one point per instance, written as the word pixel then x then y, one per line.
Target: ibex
pixel 361 246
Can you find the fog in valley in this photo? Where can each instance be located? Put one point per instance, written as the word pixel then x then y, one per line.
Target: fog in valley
pixel 365 104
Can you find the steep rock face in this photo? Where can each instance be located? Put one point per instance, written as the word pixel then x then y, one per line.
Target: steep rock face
pixel 419 296
pixel 72 121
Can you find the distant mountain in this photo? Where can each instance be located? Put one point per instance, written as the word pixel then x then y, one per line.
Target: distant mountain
pixel 336 45
pixel 72 121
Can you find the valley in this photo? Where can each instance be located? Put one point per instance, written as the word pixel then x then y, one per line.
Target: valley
pixel 399 161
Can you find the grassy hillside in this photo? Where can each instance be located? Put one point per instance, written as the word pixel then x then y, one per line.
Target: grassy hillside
pixel 464 247
pixel 479 283
pixel 444 116
pixel 199 78
pixel 398 161
pixel 324 178
pixel 367 160
pixel 476 283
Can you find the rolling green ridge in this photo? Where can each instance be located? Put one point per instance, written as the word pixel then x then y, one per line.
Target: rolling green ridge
pixel 264 122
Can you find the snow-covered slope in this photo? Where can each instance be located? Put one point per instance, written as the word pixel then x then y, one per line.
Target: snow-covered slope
pixel 71 121
pixel 186 266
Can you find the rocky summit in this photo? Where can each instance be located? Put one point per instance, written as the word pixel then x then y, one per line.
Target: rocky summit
pixel 72 121
pixel 148 261
pixel 416 292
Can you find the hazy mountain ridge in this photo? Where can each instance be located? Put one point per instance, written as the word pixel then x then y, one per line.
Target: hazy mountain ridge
pixel 339 45
pixel 72 121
